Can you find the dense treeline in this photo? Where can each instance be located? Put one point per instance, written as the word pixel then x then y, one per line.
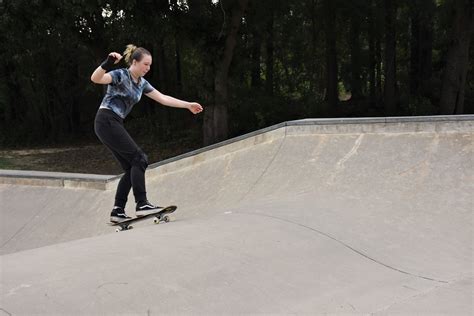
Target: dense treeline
pixel 249 63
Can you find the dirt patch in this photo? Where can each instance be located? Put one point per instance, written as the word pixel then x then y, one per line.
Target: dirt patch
pixel 84 158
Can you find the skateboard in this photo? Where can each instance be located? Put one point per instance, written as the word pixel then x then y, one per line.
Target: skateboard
pixel 158 217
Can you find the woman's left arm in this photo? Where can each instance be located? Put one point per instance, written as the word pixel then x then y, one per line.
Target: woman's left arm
pixel 159 97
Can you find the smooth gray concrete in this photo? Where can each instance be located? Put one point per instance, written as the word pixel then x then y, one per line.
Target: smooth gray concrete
pixel 368 216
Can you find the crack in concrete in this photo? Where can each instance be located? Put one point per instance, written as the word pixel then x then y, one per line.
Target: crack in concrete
pixel 351 248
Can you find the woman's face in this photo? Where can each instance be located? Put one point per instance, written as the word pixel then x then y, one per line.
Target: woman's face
pixel 143 66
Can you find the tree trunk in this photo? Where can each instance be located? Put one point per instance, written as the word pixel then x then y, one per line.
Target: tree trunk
pixel 314 45
pixel 457 61
pixel 378 56
pixel 159 72
pixel 218 118
pixel 379 24
pixel 421 45
pixel 372 55
pixel 160 68
pixel 179 80
pixel 256 81
pixel 390 99
pixel 208 97
pixel 270 49
pixel 356 67
pixel 331 57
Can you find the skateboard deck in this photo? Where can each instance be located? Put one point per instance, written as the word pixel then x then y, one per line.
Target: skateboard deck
pixel 158 217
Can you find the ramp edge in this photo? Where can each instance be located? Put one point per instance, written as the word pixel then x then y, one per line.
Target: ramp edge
pixel 296 127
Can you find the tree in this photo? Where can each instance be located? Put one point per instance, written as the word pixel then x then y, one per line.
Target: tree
pixel 332 95
pixel 215 125
pixel 356 19
pixel 250 63
pixel 457 59
pixel 390 88
pixel 421 45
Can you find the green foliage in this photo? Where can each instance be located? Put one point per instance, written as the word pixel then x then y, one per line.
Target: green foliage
pixel 421 106
pixel 6 163
pixel 50 48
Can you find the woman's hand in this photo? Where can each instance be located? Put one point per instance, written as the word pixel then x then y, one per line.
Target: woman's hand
pixel 116 56
pixel 195 108
pixel 99 75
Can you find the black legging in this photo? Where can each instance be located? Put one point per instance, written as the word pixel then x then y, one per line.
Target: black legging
pixel 111 132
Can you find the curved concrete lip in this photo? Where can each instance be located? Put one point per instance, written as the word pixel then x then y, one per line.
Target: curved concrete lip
pixel 339 216
pixel 102 182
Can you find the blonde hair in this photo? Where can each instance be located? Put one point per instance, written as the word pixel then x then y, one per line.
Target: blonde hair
pixel 133 52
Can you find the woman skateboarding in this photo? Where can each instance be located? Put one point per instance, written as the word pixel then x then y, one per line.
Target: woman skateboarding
pixel 125 88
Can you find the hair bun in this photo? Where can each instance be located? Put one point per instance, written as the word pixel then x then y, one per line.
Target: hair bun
pixel 133 52
pixel 127 54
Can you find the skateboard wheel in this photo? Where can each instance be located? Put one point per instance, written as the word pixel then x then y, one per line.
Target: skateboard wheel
pixel 129 227
pixel 166 219
pixel 118 230
pixel 156 220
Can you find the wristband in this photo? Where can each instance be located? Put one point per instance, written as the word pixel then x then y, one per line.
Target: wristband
pixel 108 64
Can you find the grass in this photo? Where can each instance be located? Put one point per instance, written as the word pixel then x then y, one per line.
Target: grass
pixel 6 163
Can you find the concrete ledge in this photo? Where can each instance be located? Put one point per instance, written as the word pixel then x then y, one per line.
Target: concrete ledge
pixel 55 179
pixel 429 124
pixel 412 124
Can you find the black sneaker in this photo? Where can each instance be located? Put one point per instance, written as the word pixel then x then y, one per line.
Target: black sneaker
pixel 145 208
pixel 118 215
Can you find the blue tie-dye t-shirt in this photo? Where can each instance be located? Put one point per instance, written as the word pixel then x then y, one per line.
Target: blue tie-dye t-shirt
pixel 123 92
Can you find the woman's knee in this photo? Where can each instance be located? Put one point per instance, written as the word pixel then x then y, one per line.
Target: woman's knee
pixel 140 160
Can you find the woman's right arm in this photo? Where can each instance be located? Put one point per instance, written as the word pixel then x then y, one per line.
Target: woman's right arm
pixel 100 75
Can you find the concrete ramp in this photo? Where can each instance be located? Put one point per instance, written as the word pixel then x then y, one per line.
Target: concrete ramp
pixel 348 216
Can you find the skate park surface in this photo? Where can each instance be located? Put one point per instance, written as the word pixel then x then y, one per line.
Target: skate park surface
pixel 317 216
